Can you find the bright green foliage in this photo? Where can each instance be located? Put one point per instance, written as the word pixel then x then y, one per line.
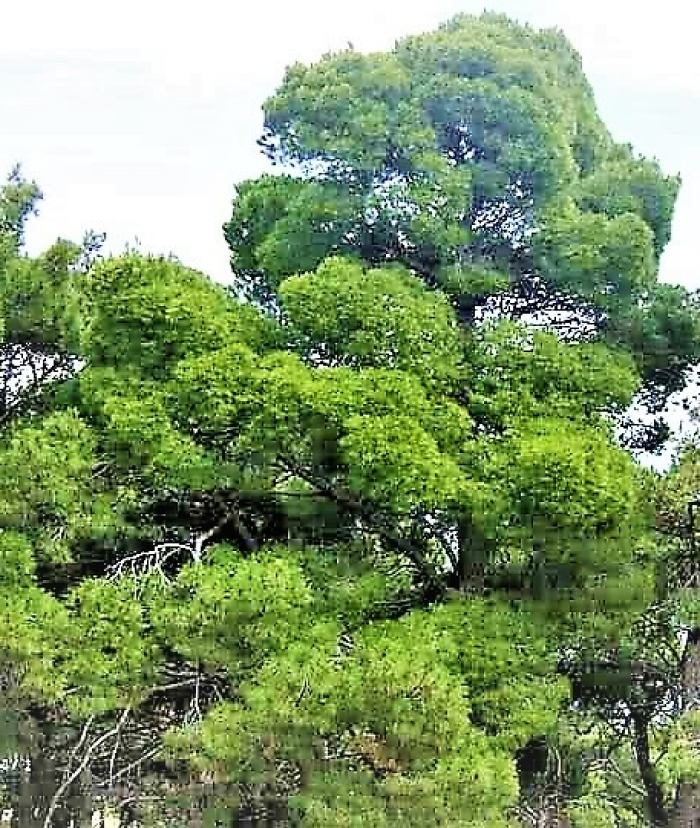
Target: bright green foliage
pixel 43 299
pixel 576 484
pixel 235 612
pixel 17 567
pixel 627 185
pixel 381 420
pixel 678 486
pixel 308 220
pixel 605 260
pixel 300 414
pixel 29 619
pixel 149 312
pixel 453 711
pixel 135 430
pixel 519 374
pixel 380 318
pixel 394 462
pixel 343 541
pixel 387 119
pixel 211 393
pixel 18 200
pixel 681 763
pixel 105 648
pixel 46 480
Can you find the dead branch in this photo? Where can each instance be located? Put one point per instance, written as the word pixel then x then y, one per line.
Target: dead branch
pixel 145 757
pixel 78 746
pixel 153 560
pixel 72 776
pixel 117 738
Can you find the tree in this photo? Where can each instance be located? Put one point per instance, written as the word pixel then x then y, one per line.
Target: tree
pixel 474 156
pixel 347 542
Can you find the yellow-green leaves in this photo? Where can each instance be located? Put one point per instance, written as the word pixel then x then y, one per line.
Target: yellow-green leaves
pixel 235 612
pixel 148 313
pixel 393 461
pixel 46 479
pixel 574 481
pixel 422 714
pixel 376 510
pixel 104 650
pixel 379 318
pixel 211 394
pixel 32 622
pixel 517 374
pixel 17 563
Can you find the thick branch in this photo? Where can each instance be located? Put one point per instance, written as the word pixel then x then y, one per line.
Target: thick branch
pixel 654 793
pixel 382 524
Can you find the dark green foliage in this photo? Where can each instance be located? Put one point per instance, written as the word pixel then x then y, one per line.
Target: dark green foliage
pixel 473 155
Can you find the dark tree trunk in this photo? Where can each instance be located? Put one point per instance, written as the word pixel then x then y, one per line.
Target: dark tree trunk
pixel 655 796
pixel 472 557
pixel 686 810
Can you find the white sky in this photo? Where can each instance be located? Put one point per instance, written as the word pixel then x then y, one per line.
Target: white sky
pixel 137 118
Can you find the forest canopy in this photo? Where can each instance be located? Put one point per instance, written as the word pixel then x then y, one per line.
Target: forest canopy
pixel 362 539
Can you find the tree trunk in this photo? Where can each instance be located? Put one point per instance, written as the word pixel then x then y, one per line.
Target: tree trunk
pixel 655 796
pixel 472 557
pixel 686 810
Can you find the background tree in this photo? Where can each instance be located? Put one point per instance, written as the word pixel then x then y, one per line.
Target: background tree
pixel 474 156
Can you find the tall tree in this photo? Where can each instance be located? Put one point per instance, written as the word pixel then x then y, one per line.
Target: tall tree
pixel 474 156
pixel 349 548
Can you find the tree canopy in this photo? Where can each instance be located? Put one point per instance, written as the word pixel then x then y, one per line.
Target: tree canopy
pixel 357 540
pixel 475 157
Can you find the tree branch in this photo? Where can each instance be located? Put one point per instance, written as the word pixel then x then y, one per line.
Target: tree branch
pixel 382 524
pixel 71 777
pixel 119 728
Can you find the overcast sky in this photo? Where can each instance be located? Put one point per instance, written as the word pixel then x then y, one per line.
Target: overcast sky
pixel 138 117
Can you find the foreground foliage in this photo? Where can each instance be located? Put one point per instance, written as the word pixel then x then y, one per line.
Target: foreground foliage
pixel 359 543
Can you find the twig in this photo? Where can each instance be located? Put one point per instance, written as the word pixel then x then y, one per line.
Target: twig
pixel 626 782
pixel 79 744
pixel 144 758
pixel 113 757
pixel 150 561
pixel 130 800
pixel 304 690
pixel 175 685
pixel 153 560
pixel 63 787
pixel 196 698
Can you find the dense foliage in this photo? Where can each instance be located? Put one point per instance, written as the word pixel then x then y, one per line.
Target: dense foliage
pixel 357 540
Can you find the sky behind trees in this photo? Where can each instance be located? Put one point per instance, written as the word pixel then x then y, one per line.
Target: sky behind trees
pixel 138 120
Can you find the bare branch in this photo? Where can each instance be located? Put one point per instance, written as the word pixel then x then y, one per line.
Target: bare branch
pixel 113 757
pixel 71 777
pixel 78 746
pixel 152 560
pixel 145 757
